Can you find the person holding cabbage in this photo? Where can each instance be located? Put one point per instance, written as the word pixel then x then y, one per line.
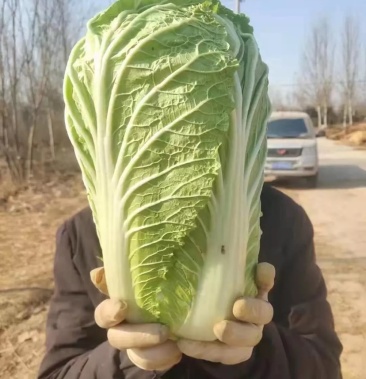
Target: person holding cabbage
pixel 185 265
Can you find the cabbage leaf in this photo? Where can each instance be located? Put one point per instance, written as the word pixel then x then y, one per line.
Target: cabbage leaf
pixel 166 107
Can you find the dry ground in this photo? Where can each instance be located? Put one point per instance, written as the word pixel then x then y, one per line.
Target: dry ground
pixel 344 264
pixel 339 220
pixel 28 224
pixel 27 228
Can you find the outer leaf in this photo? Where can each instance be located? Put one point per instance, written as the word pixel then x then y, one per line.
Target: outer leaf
pixel 166 105
pixel 153 95
pixel 234 236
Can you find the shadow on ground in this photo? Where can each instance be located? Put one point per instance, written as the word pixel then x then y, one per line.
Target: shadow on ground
pixel 330 177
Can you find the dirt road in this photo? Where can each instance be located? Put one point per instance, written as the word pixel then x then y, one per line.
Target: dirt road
pixel 337 209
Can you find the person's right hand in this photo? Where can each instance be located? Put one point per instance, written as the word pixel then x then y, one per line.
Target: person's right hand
pixel 147 345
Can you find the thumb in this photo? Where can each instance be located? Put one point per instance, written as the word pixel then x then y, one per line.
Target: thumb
pixel 265 277
pixel 97 277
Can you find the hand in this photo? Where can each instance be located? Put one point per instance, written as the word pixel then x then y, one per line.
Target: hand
pixel 147 345
pixel 237 339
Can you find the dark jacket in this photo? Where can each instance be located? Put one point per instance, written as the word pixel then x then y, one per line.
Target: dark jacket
pixel 300 343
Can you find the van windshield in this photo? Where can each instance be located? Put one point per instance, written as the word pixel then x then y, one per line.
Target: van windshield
pixel 287 128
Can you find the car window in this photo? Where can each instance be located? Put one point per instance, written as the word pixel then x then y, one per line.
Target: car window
pixel 288 128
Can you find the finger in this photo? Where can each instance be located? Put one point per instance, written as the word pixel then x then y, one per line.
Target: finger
pixel 265 276
pixel 238 333
pixel 109 313
pixel 158 358
pixel 215 351
pixel 97 277
pixel 254 311
pixel 128 336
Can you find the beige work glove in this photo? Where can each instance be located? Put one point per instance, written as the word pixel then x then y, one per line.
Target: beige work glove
pixel 237 339
pixel 147 345
pixel 149 348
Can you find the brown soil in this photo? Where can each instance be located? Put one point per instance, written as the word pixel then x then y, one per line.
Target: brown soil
pixel 27 228
pixel 28 224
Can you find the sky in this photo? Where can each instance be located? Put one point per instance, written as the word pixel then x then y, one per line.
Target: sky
pixel 281 28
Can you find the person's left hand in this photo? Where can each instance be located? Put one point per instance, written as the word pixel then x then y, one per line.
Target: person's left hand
pixel 237 339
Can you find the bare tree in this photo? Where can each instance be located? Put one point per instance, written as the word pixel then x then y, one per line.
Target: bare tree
pixel 362 75
pixel 63 31
pixel 11 66
pixel 277 100
pixel 283 100
pixel 3 106
pixel 65 27
pixel 39 41
pixel 36 37
pixel 317 69
pixel 350 65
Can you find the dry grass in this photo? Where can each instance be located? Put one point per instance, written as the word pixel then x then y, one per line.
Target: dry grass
pixel 7 187
pixel 352 136
pixel 28 223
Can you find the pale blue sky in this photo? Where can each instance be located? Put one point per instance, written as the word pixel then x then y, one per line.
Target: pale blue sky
pixel 282 26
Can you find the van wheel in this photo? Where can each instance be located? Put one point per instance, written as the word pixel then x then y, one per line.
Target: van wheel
pixel 312 181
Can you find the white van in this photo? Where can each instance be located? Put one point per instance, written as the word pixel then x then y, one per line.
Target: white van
pixel 292 147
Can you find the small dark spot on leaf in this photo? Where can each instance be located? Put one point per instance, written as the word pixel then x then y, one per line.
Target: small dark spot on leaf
pixel 223 249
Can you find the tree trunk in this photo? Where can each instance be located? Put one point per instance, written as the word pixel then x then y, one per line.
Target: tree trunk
pixel 325 115
pixel 15 122
pixel 345 109
pixel 50 134
pixel 10 153
pixel 350 114
pixel 319 112
pixel 29 157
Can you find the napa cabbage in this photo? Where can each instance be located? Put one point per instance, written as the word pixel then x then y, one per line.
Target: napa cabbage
pixel 166 108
